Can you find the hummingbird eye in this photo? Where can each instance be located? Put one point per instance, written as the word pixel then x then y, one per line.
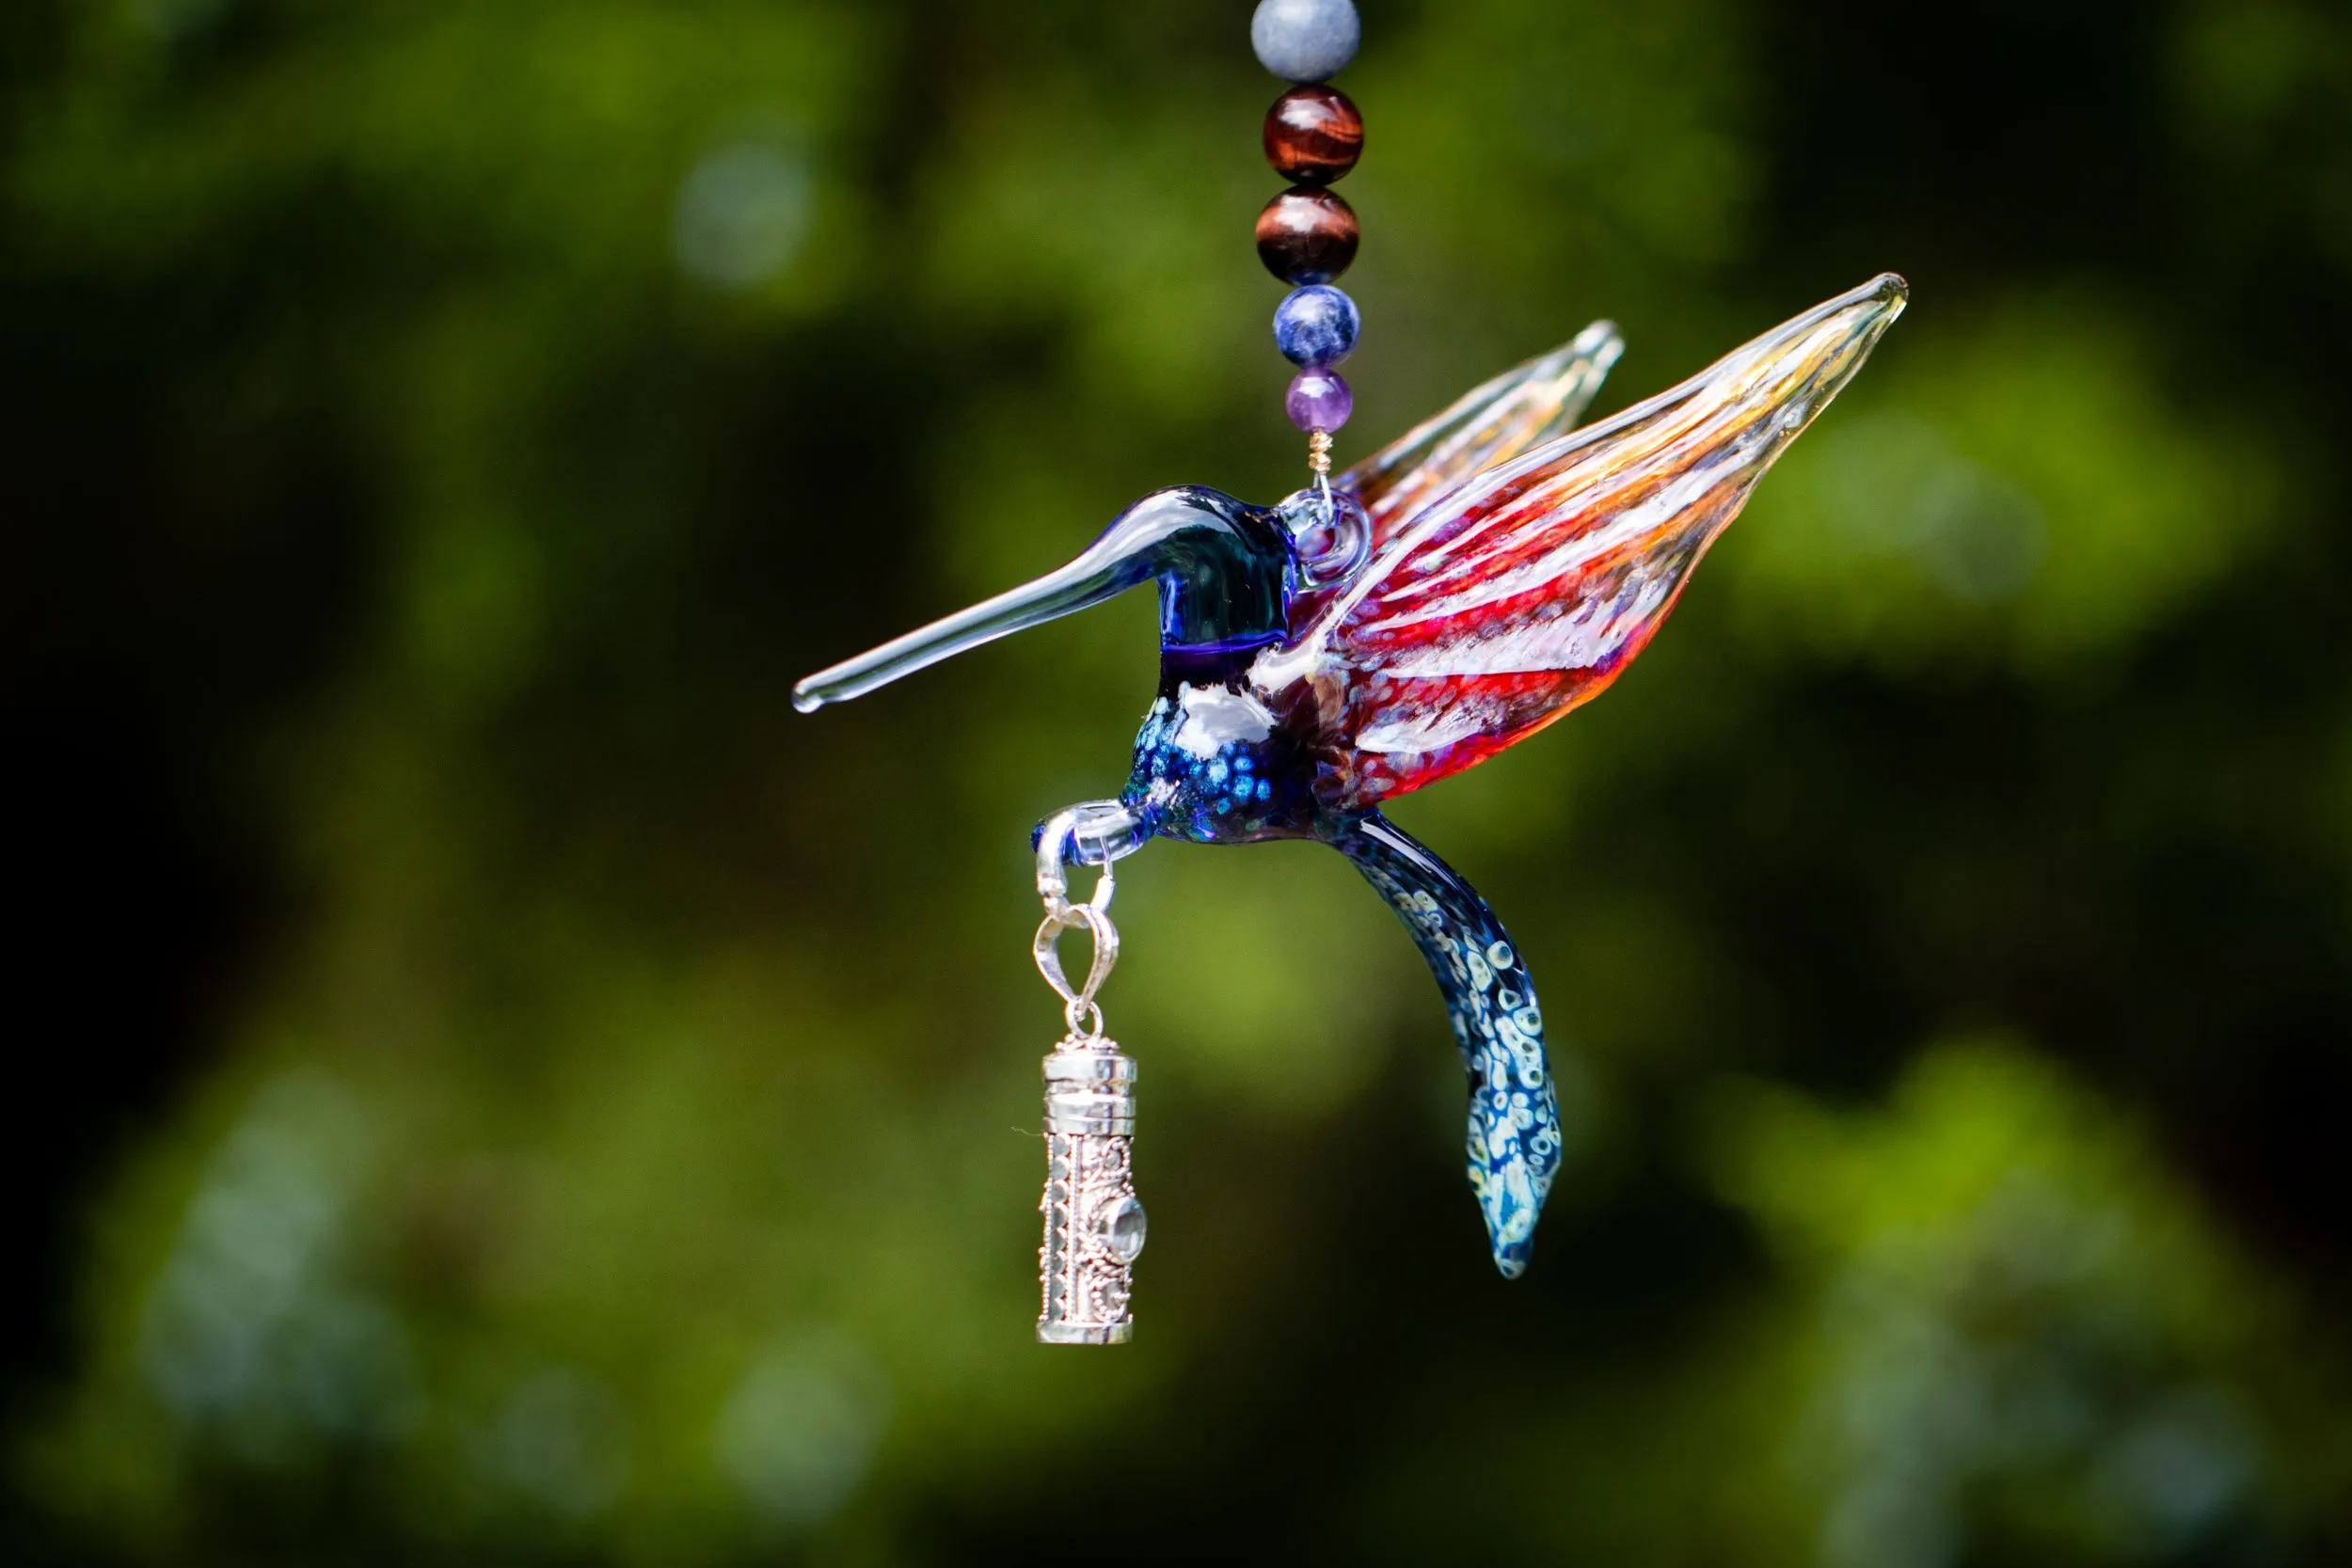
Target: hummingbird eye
pixel 1328 532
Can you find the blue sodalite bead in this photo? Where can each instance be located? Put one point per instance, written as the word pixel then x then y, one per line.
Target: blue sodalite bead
pixel 1316 325
pixel 1305 40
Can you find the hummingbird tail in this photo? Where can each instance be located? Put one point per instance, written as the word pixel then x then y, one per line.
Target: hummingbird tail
pixel 1513 1144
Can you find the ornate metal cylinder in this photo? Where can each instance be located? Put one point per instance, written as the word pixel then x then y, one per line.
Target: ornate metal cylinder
pixel 1094 1227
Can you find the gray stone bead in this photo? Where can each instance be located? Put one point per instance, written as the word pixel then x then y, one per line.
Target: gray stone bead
pixel 1305 40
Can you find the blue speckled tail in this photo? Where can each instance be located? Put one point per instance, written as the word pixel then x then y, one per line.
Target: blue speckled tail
pixel 1514 1144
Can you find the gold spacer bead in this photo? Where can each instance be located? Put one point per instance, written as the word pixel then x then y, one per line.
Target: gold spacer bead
pixel 1319 452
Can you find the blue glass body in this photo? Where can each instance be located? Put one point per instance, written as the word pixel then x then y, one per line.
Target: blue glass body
pixel 1214 764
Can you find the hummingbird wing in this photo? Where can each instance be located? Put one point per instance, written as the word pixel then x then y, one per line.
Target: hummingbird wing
pixel 1496 606
pixel 1513 1144
pixel 1491 423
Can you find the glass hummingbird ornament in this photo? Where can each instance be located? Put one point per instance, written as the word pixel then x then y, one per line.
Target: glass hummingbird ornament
pixel 1470 583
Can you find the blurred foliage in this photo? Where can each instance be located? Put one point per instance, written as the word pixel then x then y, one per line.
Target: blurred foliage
pixel 525 1094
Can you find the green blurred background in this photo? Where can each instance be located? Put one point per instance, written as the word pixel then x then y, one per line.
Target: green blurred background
pixel 494 1085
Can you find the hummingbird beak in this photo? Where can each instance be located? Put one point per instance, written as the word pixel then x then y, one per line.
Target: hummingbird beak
pixel 1099 573
pixel 1056 593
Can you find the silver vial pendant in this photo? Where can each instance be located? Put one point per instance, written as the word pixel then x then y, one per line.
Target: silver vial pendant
pixel 1094 1224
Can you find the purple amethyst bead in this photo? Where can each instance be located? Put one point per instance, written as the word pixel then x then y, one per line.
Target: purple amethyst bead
pixel 1318 400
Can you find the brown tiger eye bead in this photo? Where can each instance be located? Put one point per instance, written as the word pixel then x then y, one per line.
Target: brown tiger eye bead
pixel 1314 134
pixel 1307 235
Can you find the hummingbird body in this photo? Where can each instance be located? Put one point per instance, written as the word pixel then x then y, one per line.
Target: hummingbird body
pixel 1467 585
pixel 1212 764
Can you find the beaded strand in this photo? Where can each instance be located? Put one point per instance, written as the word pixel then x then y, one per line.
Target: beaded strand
pixel 1307 235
